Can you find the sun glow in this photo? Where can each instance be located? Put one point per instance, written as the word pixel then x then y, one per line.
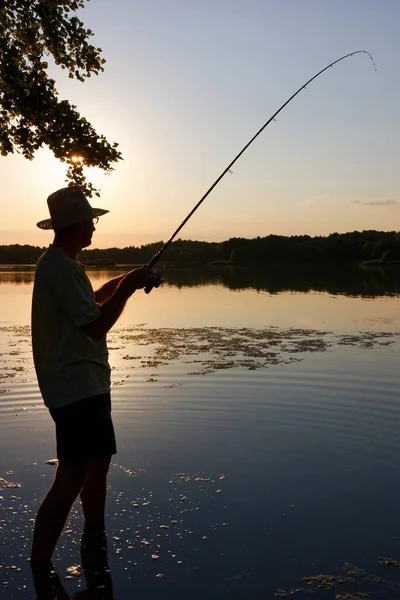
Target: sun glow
pixel 76 158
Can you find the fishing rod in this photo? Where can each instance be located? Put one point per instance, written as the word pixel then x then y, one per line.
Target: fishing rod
pixel 155 279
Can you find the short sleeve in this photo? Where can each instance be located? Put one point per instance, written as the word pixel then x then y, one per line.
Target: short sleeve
pixel 74 295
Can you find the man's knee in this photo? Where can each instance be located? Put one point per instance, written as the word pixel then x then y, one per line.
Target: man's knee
pixel 96 470
pixel 70 477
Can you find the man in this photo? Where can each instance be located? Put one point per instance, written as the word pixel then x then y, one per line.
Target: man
pixel 69 326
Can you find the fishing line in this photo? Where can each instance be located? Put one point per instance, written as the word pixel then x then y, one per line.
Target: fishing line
pixel 158 254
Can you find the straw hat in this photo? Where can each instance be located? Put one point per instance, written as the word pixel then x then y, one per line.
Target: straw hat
pixel 68 206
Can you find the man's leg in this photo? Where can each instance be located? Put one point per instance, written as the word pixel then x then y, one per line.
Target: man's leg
pixel 94 539
pixel 94 492
pixel 54 510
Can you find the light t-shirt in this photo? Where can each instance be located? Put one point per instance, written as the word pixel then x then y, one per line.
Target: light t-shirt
pixel 70 365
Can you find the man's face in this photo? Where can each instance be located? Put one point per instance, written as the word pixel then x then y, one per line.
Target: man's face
pixel 83 232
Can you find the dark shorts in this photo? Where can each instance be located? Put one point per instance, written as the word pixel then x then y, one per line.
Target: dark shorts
pixel 85 429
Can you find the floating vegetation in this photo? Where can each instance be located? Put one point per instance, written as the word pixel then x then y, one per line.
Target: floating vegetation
pixel 126 471
pixel 139 503
pixel 172 385
pixel 177 518
pixel 357 596
pixel 355 584
pixel 220 348
pixel 73 571
pixel 207 349
pixel 184 522
pixel 389 562
pixel 8 484
pixel 286 592
pixel 324 582
pixel 369 339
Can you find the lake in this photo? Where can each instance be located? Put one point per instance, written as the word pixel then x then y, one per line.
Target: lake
pixel 257 415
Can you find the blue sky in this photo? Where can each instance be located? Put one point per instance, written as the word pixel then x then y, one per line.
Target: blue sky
pixel 187 84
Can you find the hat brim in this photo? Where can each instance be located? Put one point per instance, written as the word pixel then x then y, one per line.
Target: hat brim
pixel 47 224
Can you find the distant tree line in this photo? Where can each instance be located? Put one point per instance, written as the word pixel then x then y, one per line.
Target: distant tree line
pixel 358 246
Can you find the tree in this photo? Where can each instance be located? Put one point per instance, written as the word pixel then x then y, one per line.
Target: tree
pixel 31 113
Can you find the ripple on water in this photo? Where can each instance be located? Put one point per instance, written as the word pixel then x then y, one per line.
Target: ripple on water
pixel 348 395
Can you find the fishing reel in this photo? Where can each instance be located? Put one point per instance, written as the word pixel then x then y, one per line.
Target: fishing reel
pixel 154 280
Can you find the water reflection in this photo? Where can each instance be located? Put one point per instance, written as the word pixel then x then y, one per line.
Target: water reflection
pixel 48 585
pixel 369 282
pixel 349 281
pixel 17 274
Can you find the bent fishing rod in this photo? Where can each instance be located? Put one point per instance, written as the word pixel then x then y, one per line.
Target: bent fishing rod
pixel 158 254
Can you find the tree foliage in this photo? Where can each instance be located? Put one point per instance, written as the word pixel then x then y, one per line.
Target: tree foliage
pixel 374 247
pixel 32 32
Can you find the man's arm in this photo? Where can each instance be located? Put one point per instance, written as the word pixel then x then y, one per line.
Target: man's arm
pixel 107 290
pixel 111 309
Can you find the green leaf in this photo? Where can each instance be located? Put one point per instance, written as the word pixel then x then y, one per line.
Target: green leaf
pixel 32 113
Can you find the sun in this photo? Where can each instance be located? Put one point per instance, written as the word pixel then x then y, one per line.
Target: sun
pixel 76 158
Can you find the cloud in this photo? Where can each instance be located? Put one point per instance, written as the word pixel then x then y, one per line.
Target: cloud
pixel 390 202
pixel 311 200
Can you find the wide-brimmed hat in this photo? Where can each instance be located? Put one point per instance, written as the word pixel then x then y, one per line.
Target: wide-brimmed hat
pixel 68 206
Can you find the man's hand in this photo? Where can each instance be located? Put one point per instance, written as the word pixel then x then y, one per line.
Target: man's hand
pixel 107 290
pixel 134 280
pixel 112 308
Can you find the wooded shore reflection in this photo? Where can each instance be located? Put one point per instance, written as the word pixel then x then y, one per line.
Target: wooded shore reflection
pixel 349 281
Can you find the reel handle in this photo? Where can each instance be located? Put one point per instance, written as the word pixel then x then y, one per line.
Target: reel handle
pixel 154 281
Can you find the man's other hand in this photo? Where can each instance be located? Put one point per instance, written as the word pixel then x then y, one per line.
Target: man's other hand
pixel 135 280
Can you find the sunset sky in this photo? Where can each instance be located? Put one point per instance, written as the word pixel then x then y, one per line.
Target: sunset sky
pixel 187 83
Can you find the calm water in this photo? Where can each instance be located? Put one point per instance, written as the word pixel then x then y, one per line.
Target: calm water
pixel 257 417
